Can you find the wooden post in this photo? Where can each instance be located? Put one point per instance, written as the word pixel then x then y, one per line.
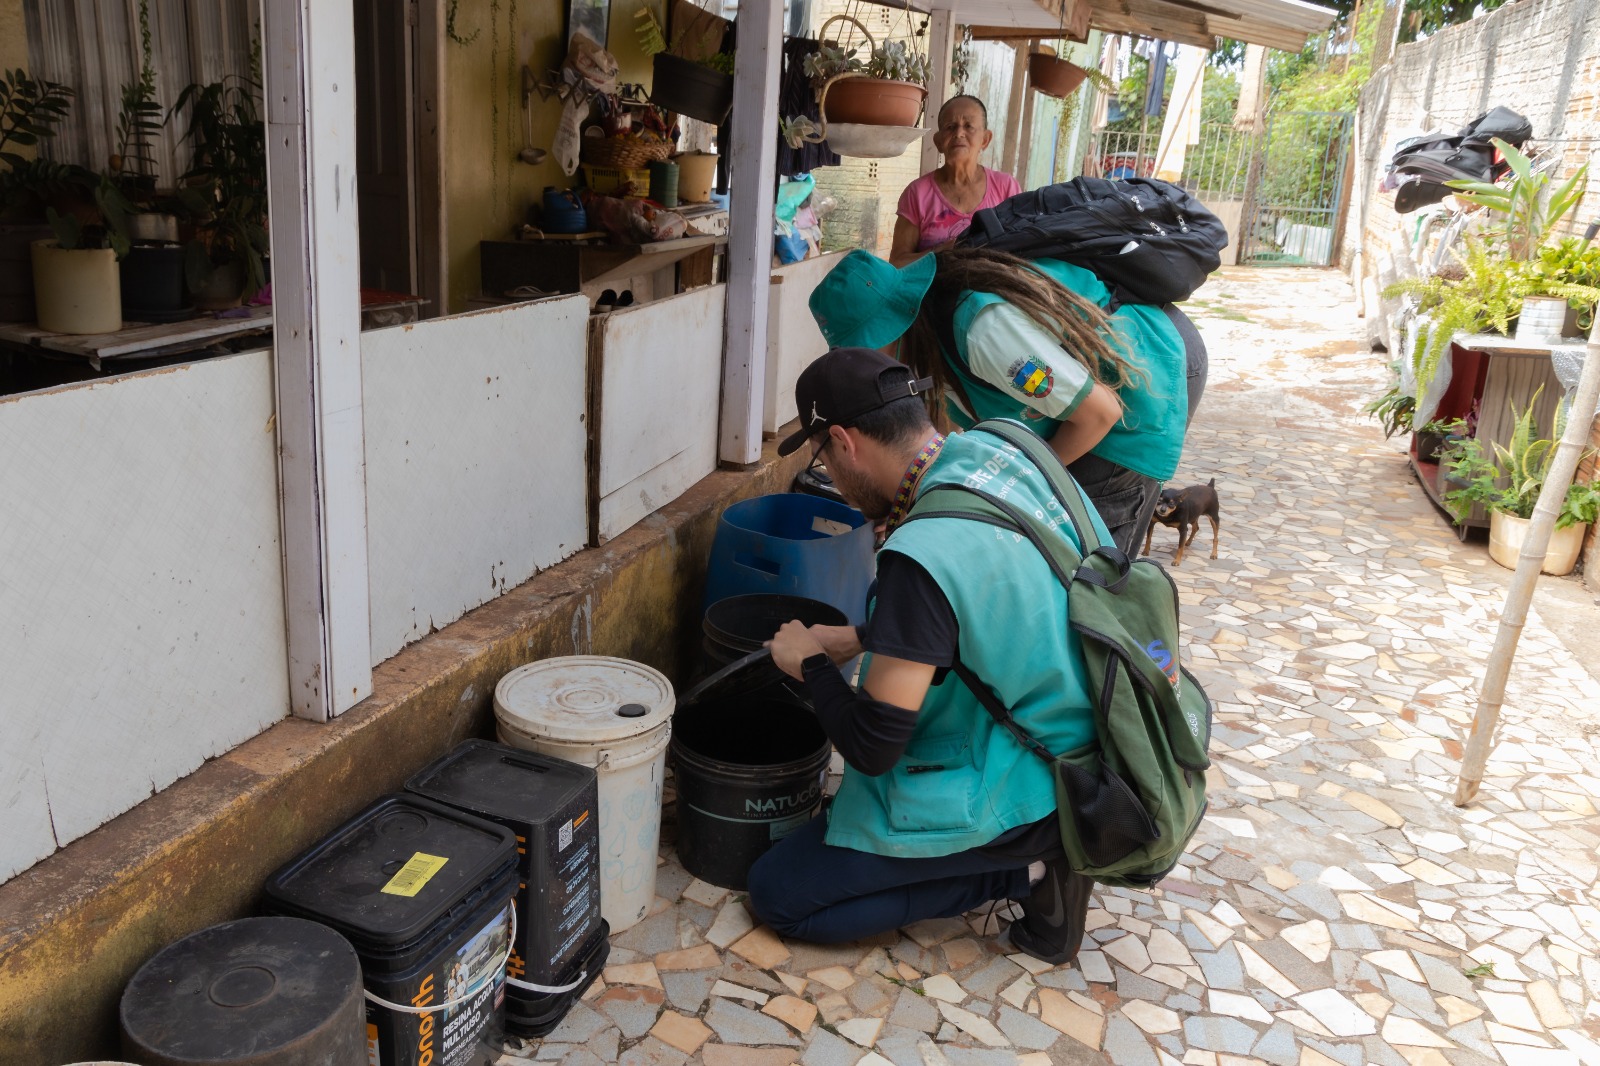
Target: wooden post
pixel 941 45
pixel 309 66
pixel 1013 120
pixel 1574 439
pixel 1024 131
pixel 752 161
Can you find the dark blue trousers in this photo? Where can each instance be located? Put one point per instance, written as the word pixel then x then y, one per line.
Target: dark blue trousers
pixel 809 890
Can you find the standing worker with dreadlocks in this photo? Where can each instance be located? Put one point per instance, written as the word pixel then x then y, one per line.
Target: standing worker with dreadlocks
pixel 1110 387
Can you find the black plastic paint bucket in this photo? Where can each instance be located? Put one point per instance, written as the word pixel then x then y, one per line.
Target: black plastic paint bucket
pixel 749 767
pixel 255 992
pixel 423 893
pixel 739 625
pixel 553 808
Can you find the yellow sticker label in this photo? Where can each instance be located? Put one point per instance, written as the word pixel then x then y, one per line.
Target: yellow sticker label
pixel 417 871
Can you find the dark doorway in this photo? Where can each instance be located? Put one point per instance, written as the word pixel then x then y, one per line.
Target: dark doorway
pixel 386 148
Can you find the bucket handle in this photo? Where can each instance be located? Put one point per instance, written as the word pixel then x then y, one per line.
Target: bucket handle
pixel 477 986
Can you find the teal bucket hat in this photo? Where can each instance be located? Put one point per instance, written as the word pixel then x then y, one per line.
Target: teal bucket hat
pixel 866 302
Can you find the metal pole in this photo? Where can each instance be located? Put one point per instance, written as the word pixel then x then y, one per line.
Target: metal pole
pixel 1574 439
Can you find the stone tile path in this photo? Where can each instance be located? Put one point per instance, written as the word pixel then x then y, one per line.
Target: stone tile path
pixel 1336 909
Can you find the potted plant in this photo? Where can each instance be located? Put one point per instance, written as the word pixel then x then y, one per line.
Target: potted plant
pixel 693 75
pixel 1393 410
pixel 153 274
pixel 1508 487
pixel 1430 439
pixel 224 191
pixel 888 88
pixel 30 111
pixel 1484 288
pixel 1057 77
pixel 77 286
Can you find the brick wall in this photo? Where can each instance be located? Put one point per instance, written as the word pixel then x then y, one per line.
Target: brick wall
pixel 1538 57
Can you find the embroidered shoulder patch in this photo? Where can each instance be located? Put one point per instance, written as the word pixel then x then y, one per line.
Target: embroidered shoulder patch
pixel 1031 379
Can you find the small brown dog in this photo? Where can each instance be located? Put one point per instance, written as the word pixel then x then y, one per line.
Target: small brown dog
pixel 1181 509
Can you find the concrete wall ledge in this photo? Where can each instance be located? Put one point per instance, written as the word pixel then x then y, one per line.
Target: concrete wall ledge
pixel 75 927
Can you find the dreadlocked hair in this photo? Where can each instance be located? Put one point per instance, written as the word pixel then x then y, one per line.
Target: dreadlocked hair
pixel 1084 330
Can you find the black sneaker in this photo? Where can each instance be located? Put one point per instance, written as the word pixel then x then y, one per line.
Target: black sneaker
pixel 1053 915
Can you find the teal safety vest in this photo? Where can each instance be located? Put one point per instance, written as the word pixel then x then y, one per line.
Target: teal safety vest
pixel 1148 438
pixel 963 780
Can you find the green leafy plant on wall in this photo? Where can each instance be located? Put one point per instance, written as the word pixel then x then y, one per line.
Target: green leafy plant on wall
pixel 1512 480
pixel 1527 213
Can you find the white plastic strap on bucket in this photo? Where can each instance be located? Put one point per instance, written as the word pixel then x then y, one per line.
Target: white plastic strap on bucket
pixel 477 986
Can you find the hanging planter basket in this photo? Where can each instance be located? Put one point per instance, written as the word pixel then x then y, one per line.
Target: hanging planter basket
pixel 874 102
pixel 1054 76
pixel 684 87
pixel 868 118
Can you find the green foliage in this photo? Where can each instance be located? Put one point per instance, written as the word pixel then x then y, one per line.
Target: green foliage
pixel 1425 17
pixel 30 111
pixel 225 188
pixel 831 60
pixel 722 63
pixel 1484 293
pixel 139 119
pixel 652 35
pixel 1528 214
pixel 898 61
pixel 1512 480
pixel 1393 410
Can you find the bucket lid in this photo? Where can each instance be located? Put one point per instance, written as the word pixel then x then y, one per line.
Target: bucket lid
pixel 502 782
pixel 388 875
pixel 236 992
pixel 584 698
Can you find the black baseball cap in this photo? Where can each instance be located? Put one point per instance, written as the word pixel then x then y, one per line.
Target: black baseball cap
pixel 845 384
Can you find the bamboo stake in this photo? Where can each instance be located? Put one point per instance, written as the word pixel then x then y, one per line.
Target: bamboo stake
pixel 1486 720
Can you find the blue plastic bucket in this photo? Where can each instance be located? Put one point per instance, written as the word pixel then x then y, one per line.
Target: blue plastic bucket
pixel 793 544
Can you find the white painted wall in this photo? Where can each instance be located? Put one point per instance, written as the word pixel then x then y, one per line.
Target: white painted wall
pixel 475 446
pixel 793 339
pixel 141 591
pixel 660 376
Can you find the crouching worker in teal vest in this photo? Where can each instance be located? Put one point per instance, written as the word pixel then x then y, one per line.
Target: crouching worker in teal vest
pixel 940 809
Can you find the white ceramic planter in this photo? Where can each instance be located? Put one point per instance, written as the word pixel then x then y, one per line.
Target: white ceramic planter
pixel 77 290
pixel 1506 533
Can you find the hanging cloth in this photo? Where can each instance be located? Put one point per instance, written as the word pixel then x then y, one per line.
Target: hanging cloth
pixel 796 97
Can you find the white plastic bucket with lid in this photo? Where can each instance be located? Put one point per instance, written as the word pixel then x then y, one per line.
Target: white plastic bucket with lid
pixel 614 715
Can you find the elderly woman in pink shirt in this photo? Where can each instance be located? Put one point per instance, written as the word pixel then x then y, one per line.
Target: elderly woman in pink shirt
pixel 938 207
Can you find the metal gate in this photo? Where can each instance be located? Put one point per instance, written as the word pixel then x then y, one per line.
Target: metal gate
pixel 1296 188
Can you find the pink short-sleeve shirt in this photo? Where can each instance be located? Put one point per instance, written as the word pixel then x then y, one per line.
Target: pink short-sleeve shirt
pixel 924 206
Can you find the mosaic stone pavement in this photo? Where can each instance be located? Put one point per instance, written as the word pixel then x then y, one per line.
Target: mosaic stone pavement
pixel 1336 908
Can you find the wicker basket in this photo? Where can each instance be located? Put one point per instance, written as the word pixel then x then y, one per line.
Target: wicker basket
pixel 625 153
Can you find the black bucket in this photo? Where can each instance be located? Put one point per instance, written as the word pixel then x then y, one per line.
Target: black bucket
pixel 153 284
pixel 685 87
pixel 739 625
pixel 553 808
pixel 532 1015
pixel 423 894
pixel 255 992
pixel 749 768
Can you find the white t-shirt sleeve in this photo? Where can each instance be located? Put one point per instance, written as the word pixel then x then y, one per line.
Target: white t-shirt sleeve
pixel 1012 352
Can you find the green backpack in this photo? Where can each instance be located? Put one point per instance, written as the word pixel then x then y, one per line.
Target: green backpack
pixel 1129 801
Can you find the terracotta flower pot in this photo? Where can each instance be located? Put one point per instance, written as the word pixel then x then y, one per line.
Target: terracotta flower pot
pixel 1054 76
pixel 1506 533
pixel 873 102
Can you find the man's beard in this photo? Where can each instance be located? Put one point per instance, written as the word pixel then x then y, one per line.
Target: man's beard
pixel 862 494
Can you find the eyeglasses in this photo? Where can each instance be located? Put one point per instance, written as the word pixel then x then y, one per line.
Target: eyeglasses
pixel 816 456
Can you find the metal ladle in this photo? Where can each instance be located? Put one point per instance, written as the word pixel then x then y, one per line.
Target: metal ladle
pixel 529 154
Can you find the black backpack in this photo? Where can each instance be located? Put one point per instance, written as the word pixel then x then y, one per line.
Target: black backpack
pixel 1148 239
